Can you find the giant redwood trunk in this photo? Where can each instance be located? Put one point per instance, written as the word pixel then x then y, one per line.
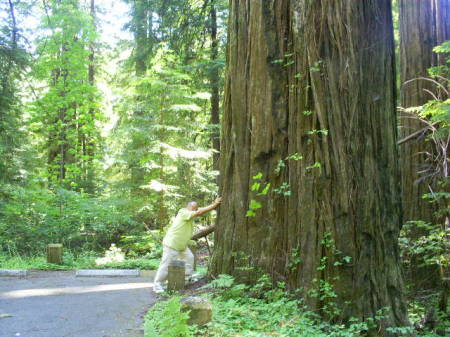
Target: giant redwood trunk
pixel 313 79
pixel 423 26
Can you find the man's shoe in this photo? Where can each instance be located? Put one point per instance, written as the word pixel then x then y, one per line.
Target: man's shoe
pixel 191 280
pixel 157 288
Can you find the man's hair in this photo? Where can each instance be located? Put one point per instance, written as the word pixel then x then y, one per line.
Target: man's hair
pixel 191 203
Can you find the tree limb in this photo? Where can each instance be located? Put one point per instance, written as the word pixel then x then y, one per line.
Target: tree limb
pixel 417 133
pixel 204 232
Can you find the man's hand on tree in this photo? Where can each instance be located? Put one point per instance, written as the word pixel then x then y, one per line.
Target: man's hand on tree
pixel 206 209
pixel 218 201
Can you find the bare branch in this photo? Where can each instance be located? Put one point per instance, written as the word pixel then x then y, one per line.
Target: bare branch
pixel 418 133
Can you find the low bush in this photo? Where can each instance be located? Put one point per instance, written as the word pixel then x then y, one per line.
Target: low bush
pixel 70 261
pixel 166 319
pixel 32 217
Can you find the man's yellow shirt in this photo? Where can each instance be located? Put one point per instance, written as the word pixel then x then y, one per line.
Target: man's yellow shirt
pixel 180 231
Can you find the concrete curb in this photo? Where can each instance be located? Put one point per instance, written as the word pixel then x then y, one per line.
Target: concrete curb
pixel 107 273
pixel 13 273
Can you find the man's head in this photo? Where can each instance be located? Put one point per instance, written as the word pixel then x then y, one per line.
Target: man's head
pixel 192 206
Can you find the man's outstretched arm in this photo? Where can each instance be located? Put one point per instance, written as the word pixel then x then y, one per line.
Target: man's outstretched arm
pixel 206 209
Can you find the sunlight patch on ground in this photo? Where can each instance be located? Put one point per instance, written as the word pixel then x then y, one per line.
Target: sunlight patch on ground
pixel 73 290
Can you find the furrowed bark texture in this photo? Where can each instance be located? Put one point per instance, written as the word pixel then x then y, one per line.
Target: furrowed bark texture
pixel 334 58
pixel 423 26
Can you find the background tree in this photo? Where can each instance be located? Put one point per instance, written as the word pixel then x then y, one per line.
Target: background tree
pixel 193 41
pixel 65 112
pixel 13 59
pixel 309 148
pixel 423 25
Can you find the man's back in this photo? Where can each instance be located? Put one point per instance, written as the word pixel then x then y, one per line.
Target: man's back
pixel 180 231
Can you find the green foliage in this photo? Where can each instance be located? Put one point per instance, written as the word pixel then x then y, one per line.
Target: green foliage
pixel 295 259
pixel 283 190
pixel 265 309
pixel 146 243
pixel 86 189
pixel 160 115
pixel 33 217
pixel 84 260
pixel 223 281
pixel 65 109
pixel 253 206
pixel 13 61
pixel 165 319
pixel 444 69
pixel 430 248
pixel 315 165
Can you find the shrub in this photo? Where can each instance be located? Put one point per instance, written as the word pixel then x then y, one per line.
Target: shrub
pixel 166 319
pixel 32 217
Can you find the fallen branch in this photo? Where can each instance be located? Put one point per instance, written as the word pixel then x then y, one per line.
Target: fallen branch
pixel 417 133
pixel 204 232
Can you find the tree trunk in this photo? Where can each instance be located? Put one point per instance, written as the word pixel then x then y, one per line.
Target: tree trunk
pixel 421 29
pixel 140 23
pixel 141 40
pixel 310 104
pixel 89 143
pixel 214 83
pixel 423 25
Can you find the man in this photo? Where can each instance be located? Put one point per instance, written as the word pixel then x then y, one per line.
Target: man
pixel 175 243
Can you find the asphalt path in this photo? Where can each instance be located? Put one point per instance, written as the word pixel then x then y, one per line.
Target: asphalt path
pixel 58 304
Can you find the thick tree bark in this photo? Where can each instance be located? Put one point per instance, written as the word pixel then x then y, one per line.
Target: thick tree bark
pixel 421 29
pixel 313 79
pixel 423 25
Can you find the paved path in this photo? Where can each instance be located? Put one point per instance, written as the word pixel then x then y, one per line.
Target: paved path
pixel 56 304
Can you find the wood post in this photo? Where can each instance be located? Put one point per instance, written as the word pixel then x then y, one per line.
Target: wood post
pixel 175 278
pixel 194 249
pixel 54 253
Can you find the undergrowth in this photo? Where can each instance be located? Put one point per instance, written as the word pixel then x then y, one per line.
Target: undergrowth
pixel 83 261
pixel 260 310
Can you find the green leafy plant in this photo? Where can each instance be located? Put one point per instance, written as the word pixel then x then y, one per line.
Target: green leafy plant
pixel 165 319
pixel 283 190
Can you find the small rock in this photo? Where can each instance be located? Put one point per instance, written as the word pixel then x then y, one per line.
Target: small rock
pixel 200 310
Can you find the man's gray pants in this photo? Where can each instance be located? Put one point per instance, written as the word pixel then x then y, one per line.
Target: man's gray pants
pixel 170 255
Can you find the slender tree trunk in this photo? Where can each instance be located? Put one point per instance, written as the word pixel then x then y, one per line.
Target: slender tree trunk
pixel 140 23
pixel 314 79
pixel 141 28
pixel 89 144
pixel 162 209
pixel 214 83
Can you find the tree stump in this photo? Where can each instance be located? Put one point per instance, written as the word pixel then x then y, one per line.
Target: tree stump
pixel 200 310
pixel 54 253
pixel 175 277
